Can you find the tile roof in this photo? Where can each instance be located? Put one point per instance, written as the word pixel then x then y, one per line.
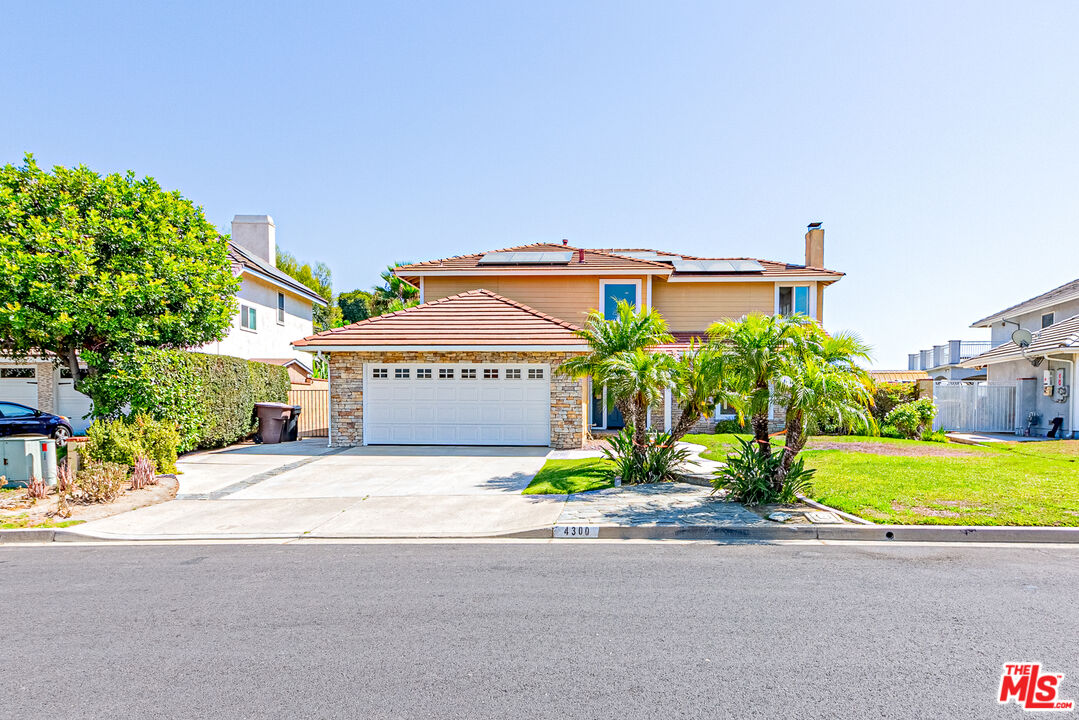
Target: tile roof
pixel 243 259
pixel 593 260
pixel 898 376
pixel 477 318
pixel 607 259
pixel 1067 291
pixel 1061 336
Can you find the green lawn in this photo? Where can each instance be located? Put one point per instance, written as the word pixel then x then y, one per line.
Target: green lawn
pixel 559 477
pixel 22 521
pixel 941 484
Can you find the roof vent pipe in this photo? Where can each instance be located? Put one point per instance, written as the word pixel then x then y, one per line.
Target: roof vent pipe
pixel 580 255
pixel 565 241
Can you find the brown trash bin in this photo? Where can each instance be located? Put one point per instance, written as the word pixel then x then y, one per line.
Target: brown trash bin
pixel 272 418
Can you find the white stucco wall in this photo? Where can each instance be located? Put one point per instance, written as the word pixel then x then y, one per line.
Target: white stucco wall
pixel 1033 320
pixel 1011 372
pixel 270 339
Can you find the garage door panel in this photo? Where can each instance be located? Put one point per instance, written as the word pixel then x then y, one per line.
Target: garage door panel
pixel 449 409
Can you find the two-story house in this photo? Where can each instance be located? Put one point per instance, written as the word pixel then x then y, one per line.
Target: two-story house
pixel 475 362
pixel 1043 371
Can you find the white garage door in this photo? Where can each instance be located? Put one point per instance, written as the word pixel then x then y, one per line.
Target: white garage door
pixel 456 404
pixel 73 405
pixel 17 385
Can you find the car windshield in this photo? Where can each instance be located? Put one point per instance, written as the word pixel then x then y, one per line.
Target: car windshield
pixel 11 410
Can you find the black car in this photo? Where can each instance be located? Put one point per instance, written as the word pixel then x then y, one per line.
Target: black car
pixel 16 419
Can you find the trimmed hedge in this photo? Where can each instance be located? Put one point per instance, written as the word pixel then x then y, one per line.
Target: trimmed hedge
pixel 211 398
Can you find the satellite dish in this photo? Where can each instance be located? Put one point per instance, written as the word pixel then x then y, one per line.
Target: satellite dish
pixel 1022 338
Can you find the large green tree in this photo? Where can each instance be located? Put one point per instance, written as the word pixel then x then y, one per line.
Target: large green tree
pixel 393 294
pixel 92 266
pixel 319 278
pixel 355 305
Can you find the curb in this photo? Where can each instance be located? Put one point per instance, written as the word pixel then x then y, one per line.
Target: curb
pixel 730 533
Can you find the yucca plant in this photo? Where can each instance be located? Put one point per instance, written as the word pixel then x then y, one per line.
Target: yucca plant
pixel 748 475
pixel 143 474
pixel 36 489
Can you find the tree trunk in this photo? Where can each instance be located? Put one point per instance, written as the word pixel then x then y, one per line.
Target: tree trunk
pixel 640 421
pixel 796 440
pixel 686 421
pixel 760 432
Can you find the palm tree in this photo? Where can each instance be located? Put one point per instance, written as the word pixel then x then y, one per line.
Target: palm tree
pixel 700 384
pixel 827 383
pixel 393 294
pixel 760 353
pixel 639 377
pixel 629 332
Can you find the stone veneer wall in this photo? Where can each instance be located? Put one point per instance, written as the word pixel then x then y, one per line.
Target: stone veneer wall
pixel 45 374
pixel 346 390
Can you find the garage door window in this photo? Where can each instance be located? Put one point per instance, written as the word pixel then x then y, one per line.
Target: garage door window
pixel 423 373
pixel 445 373
pixel 380 373
pixel 513 374
pixel 468 374
pixel 535 373
pixel 490 373
pixel 17 373
pixel 400 373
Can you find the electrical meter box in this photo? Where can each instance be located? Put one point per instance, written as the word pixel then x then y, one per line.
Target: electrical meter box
pixel 27 457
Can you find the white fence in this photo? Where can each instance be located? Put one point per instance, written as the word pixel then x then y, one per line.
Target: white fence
pixel 974 407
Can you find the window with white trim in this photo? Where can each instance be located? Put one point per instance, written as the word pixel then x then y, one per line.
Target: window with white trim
pixel 400 373
pixel 611 292
pixel 445 373
pixel 248 318
pixel 513 374
pixel 793 300
pixel 1047 319
pixel 423 373
pixel 280 308
pixel 535 373
pixel 490 373
pixel 380 373
pixel 468 374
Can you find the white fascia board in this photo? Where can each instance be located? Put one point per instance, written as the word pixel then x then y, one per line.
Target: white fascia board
pixel 440 348
pixel 284 286
pixel 780 279
pixel 586 272
pixel 993 320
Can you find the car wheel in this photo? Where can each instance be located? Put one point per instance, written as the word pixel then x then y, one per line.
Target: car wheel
pixel 61 434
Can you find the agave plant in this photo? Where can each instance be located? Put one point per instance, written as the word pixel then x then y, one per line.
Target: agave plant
pixel 657 460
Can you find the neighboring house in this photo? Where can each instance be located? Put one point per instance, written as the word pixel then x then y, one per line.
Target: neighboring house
pixel 1043 374
pixel 476 363
pixel 897 377
pixel 943 362
pixel 272 310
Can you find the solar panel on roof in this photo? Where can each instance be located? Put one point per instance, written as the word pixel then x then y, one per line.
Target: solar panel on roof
pixel 526 258
pixel 646 255
pixel 717 266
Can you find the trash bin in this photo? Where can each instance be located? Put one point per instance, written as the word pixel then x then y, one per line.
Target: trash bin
pixel 292 427
pixel 272 419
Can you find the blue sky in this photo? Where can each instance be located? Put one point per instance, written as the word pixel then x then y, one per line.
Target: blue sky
pixel 936 141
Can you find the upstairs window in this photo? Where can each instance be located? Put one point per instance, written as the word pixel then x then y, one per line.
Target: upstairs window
pixel 613 291
pixel 281 308
pixel 793 300
pixel 248 318
pixel 1047 320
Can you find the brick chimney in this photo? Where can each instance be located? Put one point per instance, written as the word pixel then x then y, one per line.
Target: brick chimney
pixel 815 245
pixel 257 235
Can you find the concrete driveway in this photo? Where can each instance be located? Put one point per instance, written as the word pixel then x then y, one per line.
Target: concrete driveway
pixel 305 489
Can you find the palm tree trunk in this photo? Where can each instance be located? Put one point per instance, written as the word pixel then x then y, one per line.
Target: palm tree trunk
pixel 796 440
pixel 640 421
pixel 686 421
pixel 760 432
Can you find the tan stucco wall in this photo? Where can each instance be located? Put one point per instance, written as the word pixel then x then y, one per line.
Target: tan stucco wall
pixel 695 306
pixel 568 396
pixel 568 298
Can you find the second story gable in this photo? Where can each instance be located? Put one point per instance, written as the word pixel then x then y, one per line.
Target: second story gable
pixel 690 292
pixel 1041 311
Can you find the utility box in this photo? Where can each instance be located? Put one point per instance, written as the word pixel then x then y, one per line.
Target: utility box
pixel 27 457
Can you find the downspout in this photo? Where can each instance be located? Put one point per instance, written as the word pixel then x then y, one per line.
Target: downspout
pixel 1071 395
pixel 329 401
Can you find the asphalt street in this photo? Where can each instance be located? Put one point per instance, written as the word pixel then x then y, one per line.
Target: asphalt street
pixel 529 630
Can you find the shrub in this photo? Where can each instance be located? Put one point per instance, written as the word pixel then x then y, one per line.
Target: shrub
pixel 747 475
pixel 886 397
pixel 124 441
pixel 98 482
pixel 934 436
pixel 729 426
pixel 912 418
pixel 210 399
pixel 36 489
pixel 657 461
pixel 890 431
pixel 143 474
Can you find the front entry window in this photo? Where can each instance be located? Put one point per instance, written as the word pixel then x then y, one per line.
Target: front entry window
pixel 613 293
